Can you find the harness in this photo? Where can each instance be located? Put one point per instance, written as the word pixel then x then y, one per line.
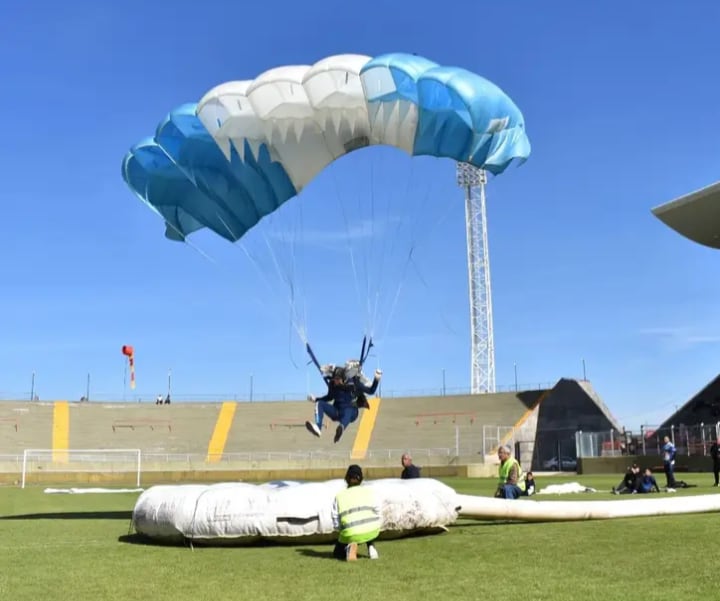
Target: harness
pixel 352 368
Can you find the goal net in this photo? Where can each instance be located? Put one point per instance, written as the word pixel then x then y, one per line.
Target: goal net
pixel 109 465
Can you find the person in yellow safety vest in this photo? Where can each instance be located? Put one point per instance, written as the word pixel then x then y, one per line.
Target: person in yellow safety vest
pixel 509 475
pixel 356 515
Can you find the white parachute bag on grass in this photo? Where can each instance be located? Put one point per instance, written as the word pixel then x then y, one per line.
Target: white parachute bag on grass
pixel 241 513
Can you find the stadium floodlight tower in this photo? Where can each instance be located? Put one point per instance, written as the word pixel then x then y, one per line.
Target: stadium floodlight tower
pixel 482 365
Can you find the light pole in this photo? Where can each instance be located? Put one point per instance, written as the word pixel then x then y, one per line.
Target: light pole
pixel 32 387
pixel 443 380
pixel 251 388
pixel 516 382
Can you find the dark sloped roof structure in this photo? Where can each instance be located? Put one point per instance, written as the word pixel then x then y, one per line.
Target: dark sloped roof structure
pixel 703 407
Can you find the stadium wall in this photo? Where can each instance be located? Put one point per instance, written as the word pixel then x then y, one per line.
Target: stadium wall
pixel 252 475
pixel 618 465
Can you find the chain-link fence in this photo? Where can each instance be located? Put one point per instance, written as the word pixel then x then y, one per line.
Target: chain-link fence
pixel 608 443
pixel 692 440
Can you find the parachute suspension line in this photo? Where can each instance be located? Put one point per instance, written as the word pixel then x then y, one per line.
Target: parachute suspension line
pixel 427 287
pixel 349 245
pixel 393 242
pixel 293 311
pixel 253 260
pixel 293 317
pixel 404 271
pixel 283 276
pixel 300 312
pixel 197 249
pixel 427 235
pixel 368 318
pixel 401 282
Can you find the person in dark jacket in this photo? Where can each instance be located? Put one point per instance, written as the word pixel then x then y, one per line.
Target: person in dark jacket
pixel 341 403
pixel 409 470
pixel 715 454
pixel 529 485
pixel 629 485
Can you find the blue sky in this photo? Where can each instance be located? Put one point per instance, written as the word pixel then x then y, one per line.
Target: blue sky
pixel 621 104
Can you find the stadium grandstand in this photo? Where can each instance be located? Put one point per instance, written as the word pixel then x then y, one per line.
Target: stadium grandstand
pixel 257 440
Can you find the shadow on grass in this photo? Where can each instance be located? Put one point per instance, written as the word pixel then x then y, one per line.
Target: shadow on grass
pixel 317 554
pixel 140 539
pixel 72 515
pixel 134 538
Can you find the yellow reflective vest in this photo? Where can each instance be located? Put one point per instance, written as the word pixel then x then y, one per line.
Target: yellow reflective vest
pixel 504 471
pixel 359 519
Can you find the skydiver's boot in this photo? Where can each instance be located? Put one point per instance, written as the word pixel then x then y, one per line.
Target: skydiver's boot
pixel 313 428
pixel 338 433
pixel 351 552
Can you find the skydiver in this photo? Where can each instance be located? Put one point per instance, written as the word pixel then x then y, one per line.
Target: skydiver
pixel 345 396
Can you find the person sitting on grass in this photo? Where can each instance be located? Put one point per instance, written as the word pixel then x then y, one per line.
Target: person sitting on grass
pixel 629 485
pixel 647 482
pixel 509 475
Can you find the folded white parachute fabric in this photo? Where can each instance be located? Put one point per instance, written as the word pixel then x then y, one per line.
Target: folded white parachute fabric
pixel 565 488
pixel 284 511
pixel 79 491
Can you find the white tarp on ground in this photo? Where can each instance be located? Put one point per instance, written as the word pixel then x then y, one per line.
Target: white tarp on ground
pixel 79 491
pixel 565 488
pixel 284 511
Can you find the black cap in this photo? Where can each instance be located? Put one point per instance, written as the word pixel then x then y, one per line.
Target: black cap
pixel 354 472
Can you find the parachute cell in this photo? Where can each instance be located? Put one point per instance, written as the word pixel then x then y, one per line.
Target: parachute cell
pixel 249 146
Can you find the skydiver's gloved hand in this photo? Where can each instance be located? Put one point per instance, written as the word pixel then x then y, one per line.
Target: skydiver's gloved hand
pixel 378 373
pixel 311 398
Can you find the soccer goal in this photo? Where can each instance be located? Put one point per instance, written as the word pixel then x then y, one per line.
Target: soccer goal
pixel 118 462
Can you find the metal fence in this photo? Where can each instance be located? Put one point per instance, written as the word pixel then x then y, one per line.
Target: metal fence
pixel 149 462
pixel 689 440
pixel 467 442
pixel 608 443
pixel 693 440
pixel 257 396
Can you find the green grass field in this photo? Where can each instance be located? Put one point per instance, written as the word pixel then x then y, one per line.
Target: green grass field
pixel 71 548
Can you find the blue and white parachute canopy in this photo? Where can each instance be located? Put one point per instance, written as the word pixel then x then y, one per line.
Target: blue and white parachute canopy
pixel 249 146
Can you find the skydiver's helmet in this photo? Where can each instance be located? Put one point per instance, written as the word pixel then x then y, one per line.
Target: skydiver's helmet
pixel 327 370
pixel 352 369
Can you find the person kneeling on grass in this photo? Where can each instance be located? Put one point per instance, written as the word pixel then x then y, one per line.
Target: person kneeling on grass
pixel 356 514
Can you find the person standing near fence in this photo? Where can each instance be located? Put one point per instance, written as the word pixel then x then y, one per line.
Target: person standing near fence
pixel 668 456
pixel 715 454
